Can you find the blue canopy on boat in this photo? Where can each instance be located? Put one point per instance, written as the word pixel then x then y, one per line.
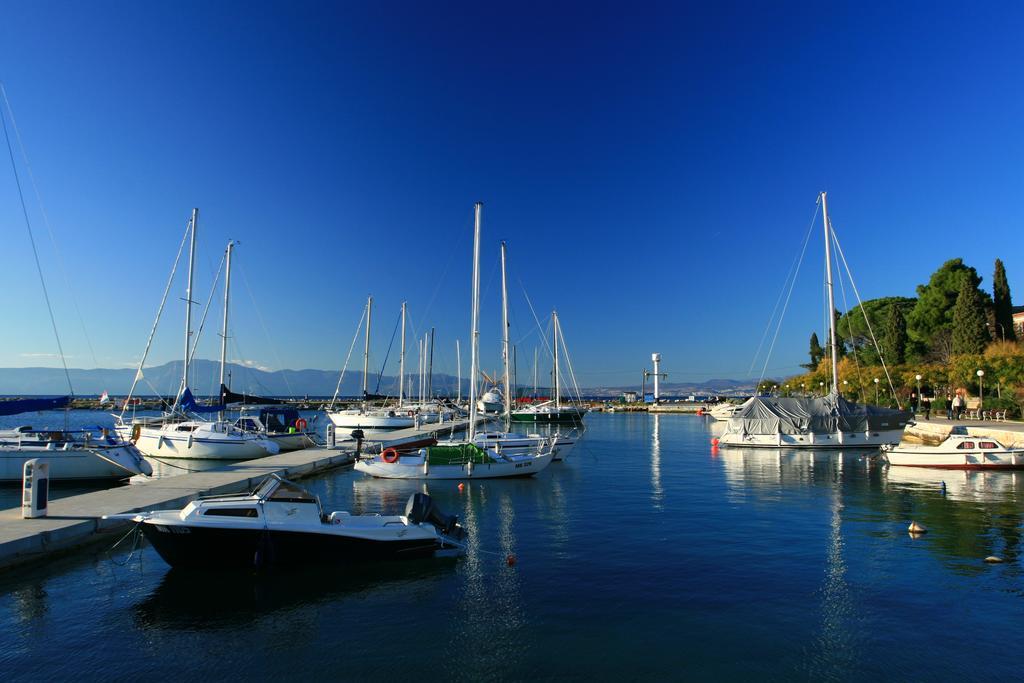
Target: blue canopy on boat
pixel 188 402
pixel 33 405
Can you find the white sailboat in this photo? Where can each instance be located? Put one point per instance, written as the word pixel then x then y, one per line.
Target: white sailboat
pixel 177 434
pixel 827 422
pixel 375 420
pixel 466 459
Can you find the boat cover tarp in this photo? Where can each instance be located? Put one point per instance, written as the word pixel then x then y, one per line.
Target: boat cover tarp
pixel 228 396
pixel 188 403
pixel 828 414
pixel 457 455
pixel 33 405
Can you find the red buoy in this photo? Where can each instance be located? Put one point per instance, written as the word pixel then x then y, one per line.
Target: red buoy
pixel 714 442
pixel 511 560
pixel 462 487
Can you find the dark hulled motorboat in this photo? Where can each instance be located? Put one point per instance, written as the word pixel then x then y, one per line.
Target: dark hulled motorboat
pixel 282 523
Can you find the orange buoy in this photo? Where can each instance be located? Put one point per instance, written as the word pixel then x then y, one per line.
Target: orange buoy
pixel 462 487
pixel 714 442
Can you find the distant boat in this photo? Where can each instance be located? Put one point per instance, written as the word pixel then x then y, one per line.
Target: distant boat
pixel 176 434
pixel 553 411
pixel 957 452
pixel 369 419
pixel 465 459
pixel 827 422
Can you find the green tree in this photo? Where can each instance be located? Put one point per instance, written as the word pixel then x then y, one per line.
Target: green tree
pixel 894 345
pixel 816 353
pixel 1002 305
pixel 930 323
pixel 970 335
pixel 856 332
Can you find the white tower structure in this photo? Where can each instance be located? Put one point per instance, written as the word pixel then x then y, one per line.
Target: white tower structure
pixel 656 359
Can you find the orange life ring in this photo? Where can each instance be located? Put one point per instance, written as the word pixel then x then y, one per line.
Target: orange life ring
pixel 301 424
pixel 390 456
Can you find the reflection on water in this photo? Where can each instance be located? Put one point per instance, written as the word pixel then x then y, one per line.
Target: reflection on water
pixel 657 493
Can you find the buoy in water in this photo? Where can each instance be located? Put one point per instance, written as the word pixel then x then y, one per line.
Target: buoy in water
pixel 511 560
pixel 916 528
pixel 714 441
pixel 462 487
pixel 992 559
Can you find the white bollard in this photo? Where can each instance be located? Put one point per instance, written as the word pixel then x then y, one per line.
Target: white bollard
pixel 35 491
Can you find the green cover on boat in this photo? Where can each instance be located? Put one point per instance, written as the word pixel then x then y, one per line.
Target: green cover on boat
pixel 457 455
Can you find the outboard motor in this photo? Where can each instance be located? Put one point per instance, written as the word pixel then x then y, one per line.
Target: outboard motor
pixel 421 508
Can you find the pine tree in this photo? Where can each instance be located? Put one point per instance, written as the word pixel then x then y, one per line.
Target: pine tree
pixel 1002 305
pixel 970 335
pixel 816 353
pixel 895 341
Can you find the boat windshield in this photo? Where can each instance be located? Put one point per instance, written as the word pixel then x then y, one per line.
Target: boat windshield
pixel 291 493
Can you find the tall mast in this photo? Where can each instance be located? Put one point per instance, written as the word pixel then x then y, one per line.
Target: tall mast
pixel 188 304
pixel 366 349
pixel 504 336
pixel 430 368
pixel 558 398
pixel 224 328
pixel 401 364
pixel 831 295
pixel 458 373
pixel 474 332
pixel 535 372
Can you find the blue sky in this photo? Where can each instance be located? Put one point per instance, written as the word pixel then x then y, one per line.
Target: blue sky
pixel 653 167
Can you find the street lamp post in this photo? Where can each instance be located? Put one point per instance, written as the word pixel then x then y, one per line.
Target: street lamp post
pixel 787 390
pixel 981 388
pixel 803 389
pixel 876 391
pixel 918 378
pixel 822 385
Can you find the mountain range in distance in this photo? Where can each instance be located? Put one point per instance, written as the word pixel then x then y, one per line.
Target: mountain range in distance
pixel 163 380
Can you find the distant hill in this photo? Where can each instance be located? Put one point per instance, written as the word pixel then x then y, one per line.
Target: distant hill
pixel 164 379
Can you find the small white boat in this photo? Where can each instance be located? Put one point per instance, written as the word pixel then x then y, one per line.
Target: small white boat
pixel 372 421
pixel 72 455
pixel 957 452
pixel 459 461
pixel 283 426
pixel 519 444
pixel 491 402
pixel 282 523
pixel 724 411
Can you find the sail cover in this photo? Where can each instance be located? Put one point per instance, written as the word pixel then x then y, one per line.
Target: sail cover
pixel 32 405
pixel 188 402
pixel 829 414
pixel 228 396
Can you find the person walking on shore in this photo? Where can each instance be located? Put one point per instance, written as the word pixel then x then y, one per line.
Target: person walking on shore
pixel 949 406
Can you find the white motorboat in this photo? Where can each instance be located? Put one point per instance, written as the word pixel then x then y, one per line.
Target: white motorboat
pixel 72 455
pixel 725 411
pixel 491 402
pixel 957 452
pixel 827 422
pixel 371 421
pixel 281 523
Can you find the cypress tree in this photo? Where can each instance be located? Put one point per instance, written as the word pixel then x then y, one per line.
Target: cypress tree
pixel 1002 305
pixel 969 332
pixel 895 341
pixel 816 353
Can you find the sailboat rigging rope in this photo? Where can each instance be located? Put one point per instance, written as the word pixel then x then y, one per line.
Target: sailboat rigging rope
pixel 874 341
pixel 263 324
pixel 387 355
pixel 206 310
pixel 846 307
pixel 49 229
pixel 795 272
pixel 344 367
pixel 32 241
pixel 156 322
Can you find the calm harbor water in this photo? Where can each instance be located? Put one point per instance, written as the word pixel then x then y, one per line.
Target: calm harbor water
pixel 645 555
